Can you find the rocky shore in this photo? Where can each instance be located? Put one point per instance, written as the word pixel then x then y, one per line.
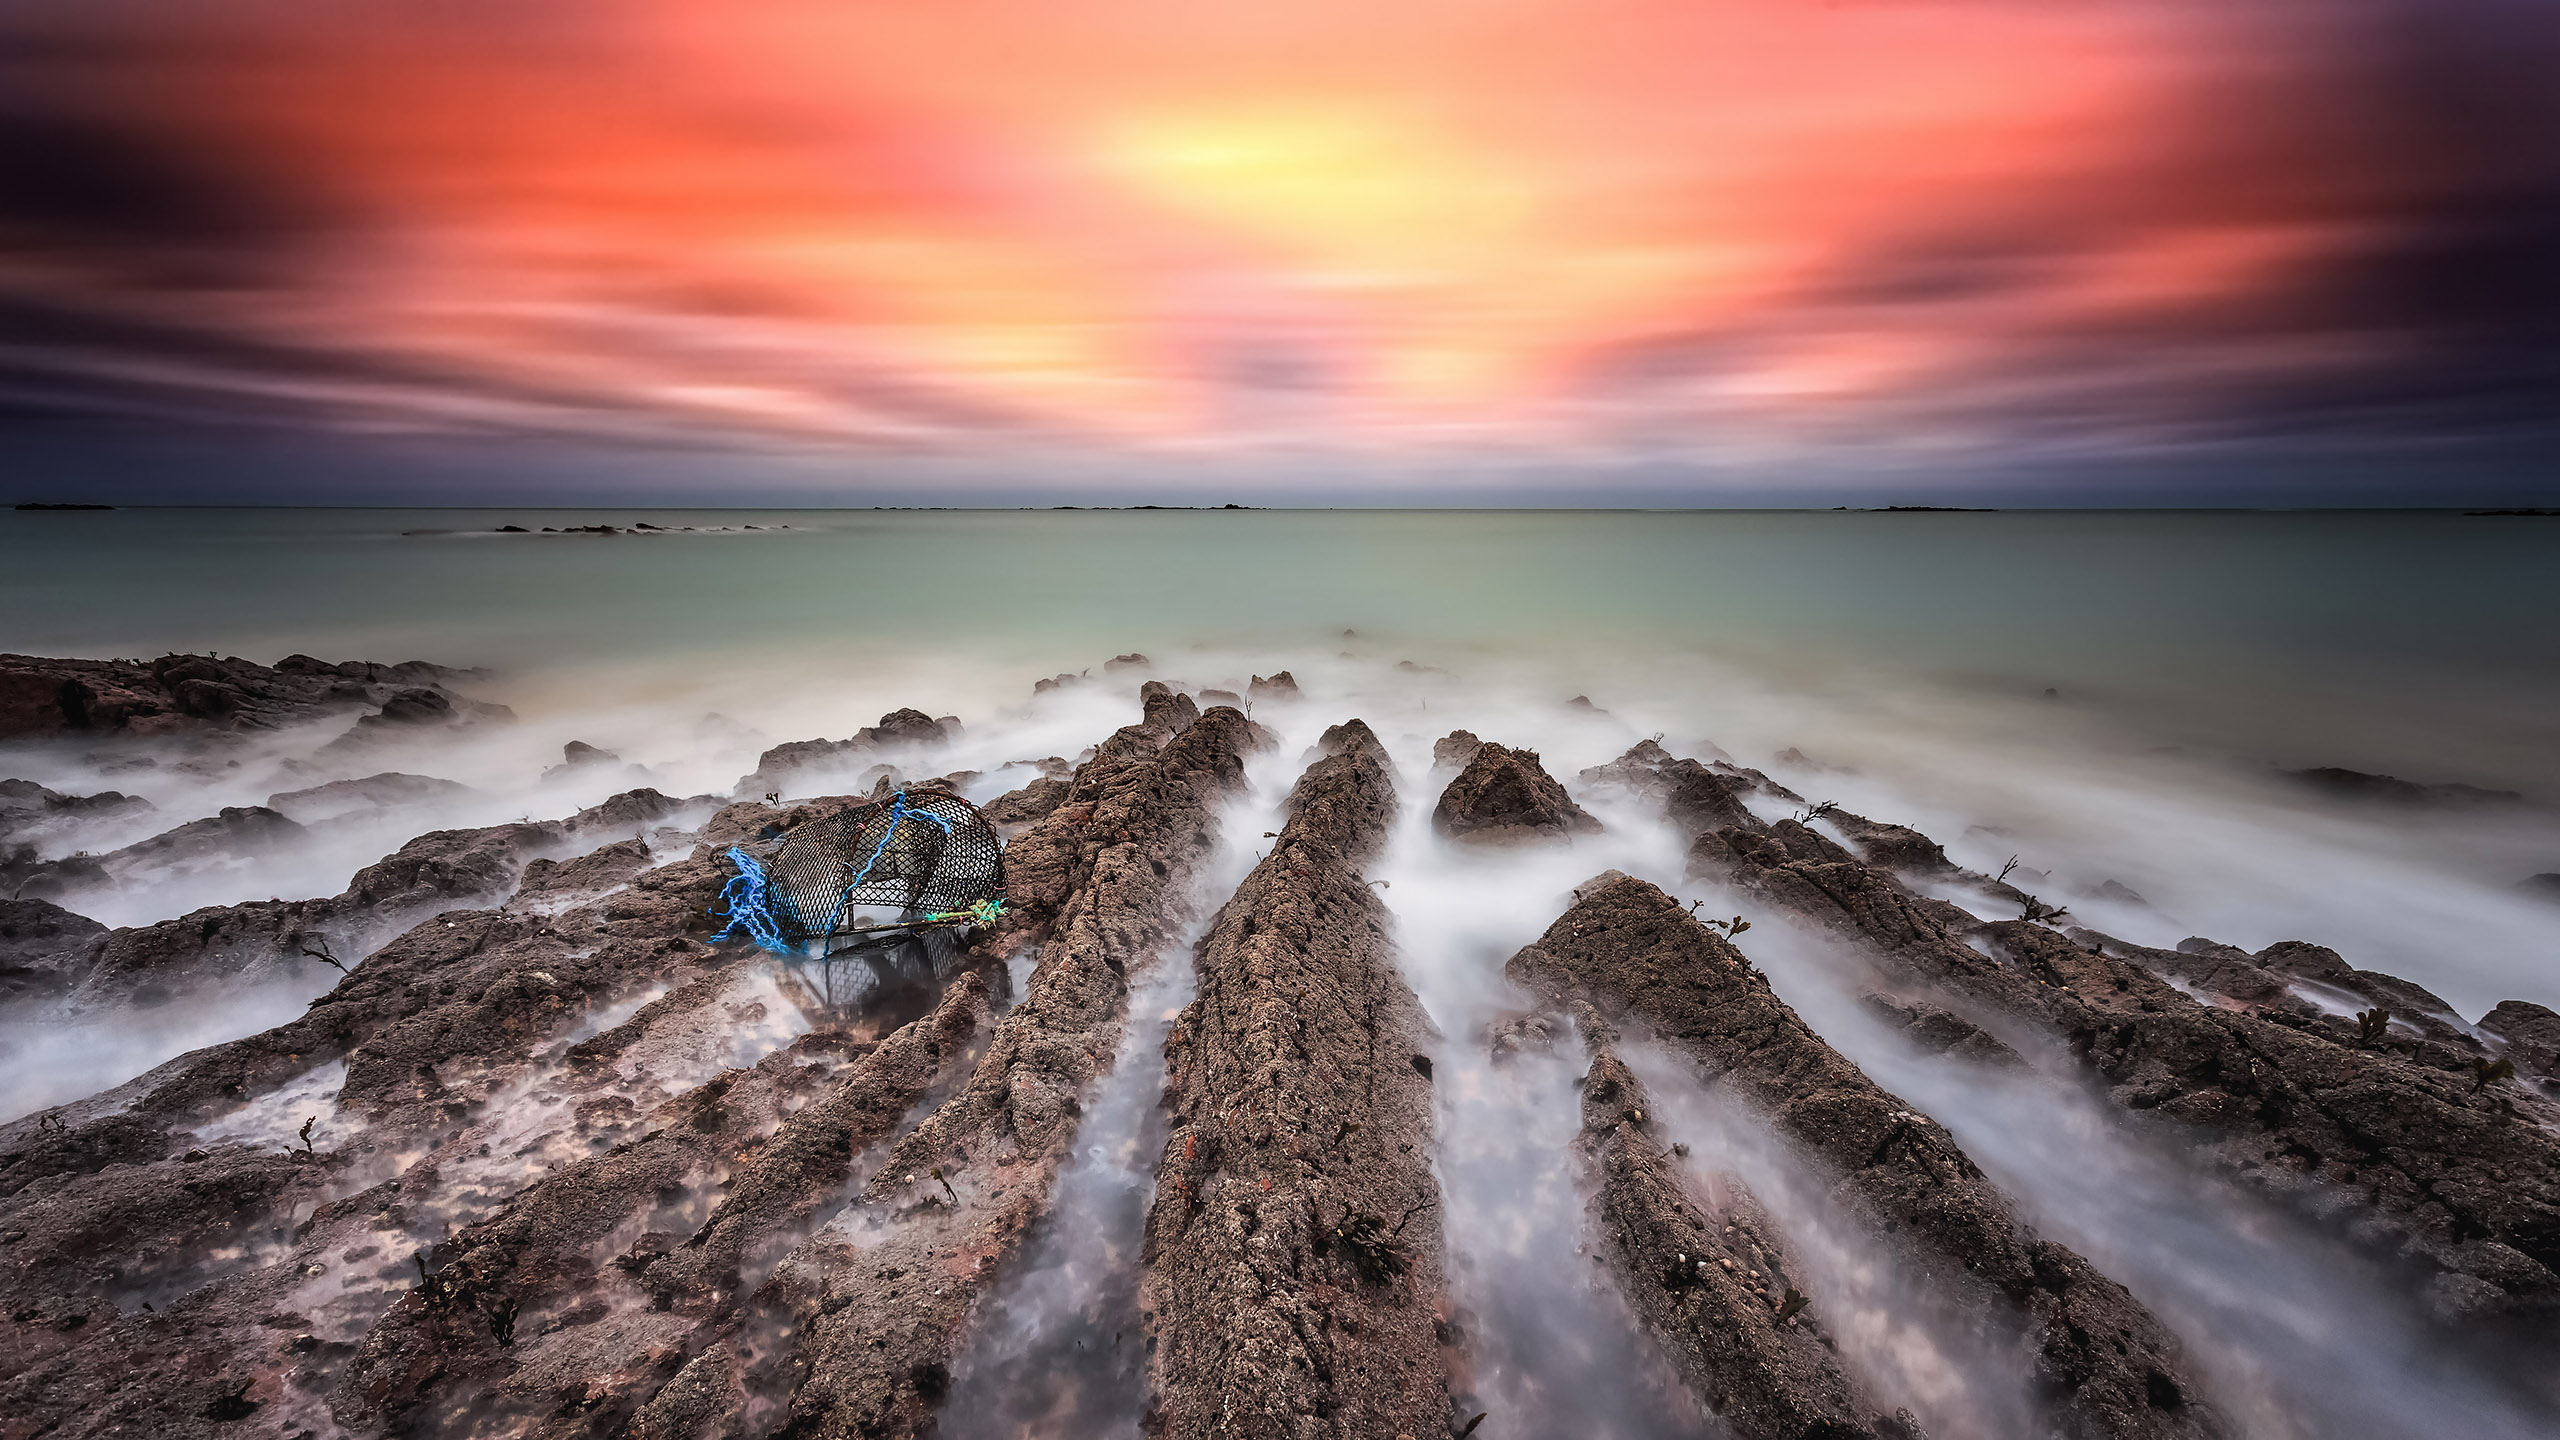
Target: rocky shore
pixel 544 1158
pixel 1293 1255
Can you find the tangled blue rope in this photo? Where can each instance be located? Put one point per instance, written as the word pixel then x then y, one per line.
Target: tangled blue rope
pixel 744 901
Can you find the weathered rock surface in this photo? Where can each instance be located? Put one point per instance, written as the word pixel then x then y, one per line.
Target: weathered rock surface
pixel 2531 1034
pixel 39 945
pixel 29 810
pixel 2434 1159
pixel 446 1020
pixel 222 947
pixel 2108 1366
pixel 899 731
pixel 554 1252
pixel 371 792
pixel 213 842
pixel 1032 802
pixel 1279 686
pixel 1940 1031
pixel 1453 750
pixel 1713 1288
pixel 1505 796
pixel 1696 796
pixel 1293 1252
pixel 179 693
pixel 600 869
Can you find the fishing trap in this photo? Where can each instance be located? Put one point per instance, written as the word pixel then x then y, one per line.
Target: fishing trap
pixel 910 863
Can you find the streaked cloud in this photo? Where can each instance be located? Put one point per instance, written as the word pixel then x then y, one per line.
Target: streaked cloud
pixel 1727 233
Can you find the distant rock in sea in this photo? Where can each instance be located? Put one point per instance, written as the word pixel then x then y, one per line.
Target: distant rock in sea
pixel 177 693
pixel 2342 784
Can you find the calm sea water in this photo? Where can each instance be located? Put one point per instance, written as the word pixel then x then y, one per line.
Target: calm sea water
pixel 2422 643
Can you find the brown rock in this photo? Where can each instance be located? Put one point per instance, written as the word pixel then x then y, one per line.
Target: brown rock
pixel 1280 686
pixel 1503 796
pixel 899 730
pixel 1293 1252
pixel 1031 802
pixel 1454 750
pixel 197 692
pixel 2434 1163
pixel 1940 1031
pixel 1638 956
pixel 2531 1034
pixel 1683 1271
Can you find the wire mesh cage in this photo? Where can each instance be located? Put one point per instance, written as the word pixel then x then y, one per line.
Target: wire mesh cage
pixel 911 861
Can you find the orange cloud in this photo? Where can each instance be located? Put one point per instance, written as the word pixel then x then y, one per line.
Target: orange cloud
pixel 1138 222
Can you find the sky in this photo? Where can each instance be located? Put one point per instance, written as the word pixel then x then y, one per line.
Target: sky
pixel 1538 251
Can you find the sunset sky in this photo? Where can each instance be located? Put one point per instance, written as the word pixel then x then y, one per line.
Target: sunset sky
pixel 1779 251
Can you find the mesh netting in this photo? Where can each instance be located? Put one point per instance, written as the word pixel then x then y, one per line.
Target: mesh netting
pixel 911 860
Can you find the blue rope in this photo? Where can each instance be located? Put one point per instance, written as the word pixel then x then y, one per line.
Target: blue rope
pixel 745 904
pixel 899 814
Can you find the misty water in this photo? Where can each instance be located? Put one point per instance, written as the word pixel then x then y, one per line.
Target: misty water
pixel 2112 698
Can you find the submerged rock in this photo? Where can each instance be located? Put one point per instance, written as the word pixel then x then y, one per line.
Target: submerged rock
pixel 27 808
pixel 2338 783
pixel 1715 1290
pixel 2435 1158
pixel 383 791
pixel 208 952
pixel 1697 796
pixel 1640 958
pixel 1278 686
pixel 180 693
pixel 1505 795
pixel 248 1242
pixel 578 755
pixel 1167 710
pixel 1940 1031
pixel 899 730
pixel 219 840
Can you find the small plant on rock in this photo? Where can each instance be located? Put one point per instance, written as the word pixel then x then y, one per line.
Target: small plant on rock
pixel 1789 1307
pixel 322 954
pixel 2041 913
pixel 1372 1248
pixel 1812 813
pixel 2485 1073
pixel 2372 1026
pixel 305 1153
pixel 1734 926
